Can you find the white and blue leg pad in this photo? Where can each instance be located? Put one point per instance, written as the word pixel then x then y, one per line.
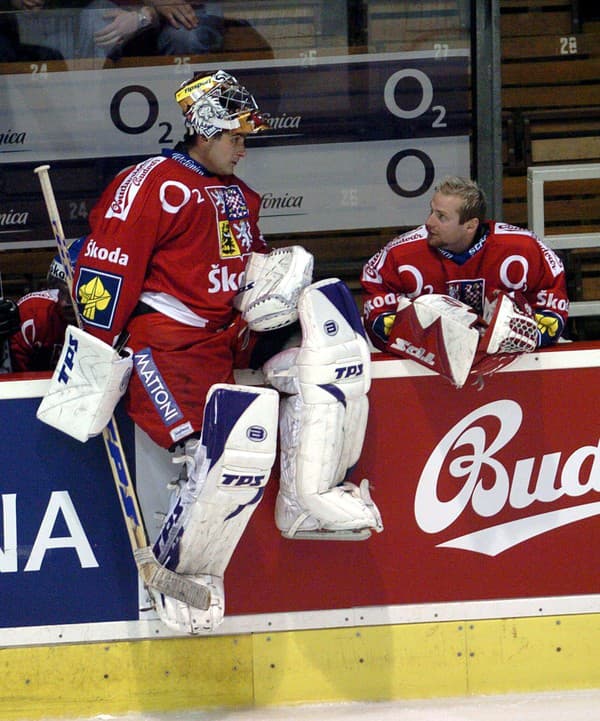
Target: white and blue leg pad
pixel 323 420
pixel 228 469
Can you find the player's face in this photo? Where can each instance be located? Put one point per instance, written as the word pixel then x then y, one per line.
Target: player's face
pixel 65 304
pixel 221 154
pixel 444 229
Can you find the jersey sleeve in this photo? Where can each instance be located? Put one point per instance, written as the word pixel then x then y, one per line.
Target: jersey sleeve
pixel 550 301
pixel 22 353
pixel 126 225
pixel 381 291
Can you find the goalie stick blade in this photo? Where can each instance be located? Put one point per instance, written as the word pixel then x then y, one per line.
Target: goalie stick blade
pixel 170 583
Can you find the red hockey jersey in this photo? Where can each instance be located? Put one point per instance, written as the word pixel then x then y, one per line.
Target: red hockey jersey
pixel 170 231
pixel 504 258
pixel 38 343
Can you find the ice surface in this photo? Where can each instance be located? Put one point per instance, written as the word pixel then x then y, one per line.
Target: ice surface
pixel 554 706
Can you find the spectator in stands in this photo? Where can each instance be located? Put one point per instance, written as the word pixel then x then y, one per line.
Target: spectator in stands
pixel 44 317
pixel 496 271
pixel 11 48
pixel 189 28
pixel 85 29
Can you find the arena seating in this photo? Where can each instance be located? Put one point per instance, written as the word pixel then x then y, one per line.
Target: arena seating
pixel 550 52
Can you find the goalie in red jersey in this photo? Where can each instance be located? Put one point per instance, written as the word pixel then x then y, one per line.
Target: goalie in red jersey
pixel 462 293
pixel 175 258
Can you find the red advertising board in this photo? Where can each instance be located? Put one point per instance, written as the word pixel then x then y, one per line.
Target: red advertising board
pixel 487 492
pixel 489 495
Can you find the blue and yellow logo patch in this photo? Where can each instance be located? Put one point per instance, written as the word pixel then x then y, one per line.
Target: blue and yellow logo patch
pixel 228 246
pixel 97 294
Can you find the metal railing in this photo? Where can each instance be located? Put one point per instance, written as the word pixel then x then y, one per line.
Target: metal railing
pixel 536 177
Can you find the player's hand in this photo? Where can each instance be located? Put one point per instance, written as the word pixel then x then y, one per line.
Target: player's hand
pixel 178 14
pixel 388 321
pixel 549 326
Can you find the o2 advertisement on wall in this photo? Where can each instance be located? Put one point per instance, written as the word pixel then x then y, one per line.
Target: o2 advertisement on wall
pixel 354 141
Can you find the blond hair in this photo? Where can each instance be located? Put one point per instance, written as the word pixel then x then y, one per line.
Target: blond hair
pixel 473 198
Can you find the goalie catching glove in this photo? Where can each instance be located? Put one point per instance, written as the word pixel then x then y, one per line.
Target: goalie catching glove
pixel 272 285
pixel 448 337
pixel 510 329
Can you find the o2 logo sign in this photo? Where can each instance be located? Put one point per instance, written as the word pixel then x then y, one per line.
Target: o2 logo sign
pixel 389 97
pixel 424 104
pixel 392 172
pixel 116 113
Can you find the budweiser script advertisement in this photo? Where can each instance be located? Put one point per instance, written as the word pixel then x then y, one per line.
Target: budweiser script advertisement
pixel 485 484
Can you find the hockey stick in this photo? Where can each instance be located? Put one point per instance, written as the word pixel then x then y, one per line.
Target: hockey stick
pixel 152 573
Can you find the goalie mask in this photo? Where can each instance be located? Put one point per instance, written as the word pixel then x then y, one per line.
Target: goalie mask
pixel 213 103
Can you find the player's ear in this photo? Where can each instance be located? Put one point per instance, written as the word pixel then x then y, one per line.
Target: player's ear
pixel 472 224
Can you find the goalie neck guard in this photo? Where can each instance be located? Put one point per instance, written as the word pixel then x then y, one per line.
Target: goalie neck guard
pixel 213 103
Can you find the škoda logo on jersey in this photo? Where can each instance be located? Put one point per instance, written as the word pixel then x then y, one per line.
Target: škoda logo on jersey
pixel 97 294
pixel 465 476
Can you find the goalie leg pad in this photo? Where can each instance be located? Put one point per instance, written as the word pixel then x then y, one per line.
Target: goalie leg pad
pixel 88 382
pixel 323 422
pixel 228 469
pixel 313 500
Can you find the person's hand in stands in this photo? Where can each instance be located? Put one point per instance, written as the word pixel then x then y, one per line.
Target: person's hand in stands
pixel 121 26
pixel 178 14
pixel 28 4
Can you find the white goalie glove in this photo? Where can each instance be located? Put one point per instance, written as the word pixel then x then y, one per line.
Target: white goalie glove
pixel 89 380
pixel 272 285
pixel 323 420
pixel 511 329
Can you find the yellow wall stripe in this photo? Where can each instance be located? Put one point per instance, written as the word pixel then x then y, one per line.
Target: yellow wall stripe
pixel 423 660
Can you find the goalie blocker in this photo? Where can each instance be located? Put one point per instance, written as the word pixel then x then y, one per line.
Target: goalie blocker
pixel 89 380
pixel 448 337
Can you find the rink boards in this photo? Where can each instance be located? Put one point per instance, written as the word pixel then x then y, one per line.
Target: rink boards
pixel 484 579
